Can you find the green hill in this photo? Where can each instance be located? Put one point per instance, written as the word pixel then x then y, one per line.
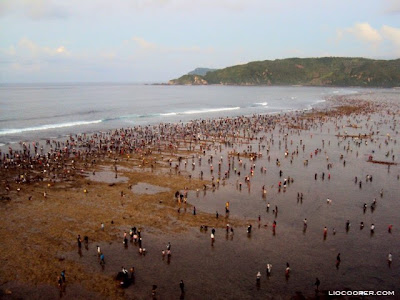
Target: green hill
pixel 325 71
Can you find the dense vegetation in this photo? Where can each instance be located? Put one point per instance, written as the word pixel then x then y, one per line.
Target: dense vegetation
pixel 325 71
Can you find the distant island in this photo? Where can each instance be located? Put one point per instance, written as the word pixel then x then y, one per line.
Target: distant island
pixel 324 71
pixel 201 71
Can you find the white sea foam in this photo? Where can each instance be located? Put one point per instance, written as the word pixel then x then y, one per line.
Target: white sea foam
pixel 200 111
pixel 46 127
pixel 309 107
pixel 261 103
pixel 190 112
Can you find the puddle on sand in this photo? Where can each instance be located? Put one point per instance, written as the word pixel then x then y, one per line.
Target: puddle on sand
pixel 147 188
pixel 107 176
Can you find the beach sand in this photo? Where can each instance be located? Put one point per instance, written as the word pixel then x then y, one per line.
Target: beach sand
pixel 39 234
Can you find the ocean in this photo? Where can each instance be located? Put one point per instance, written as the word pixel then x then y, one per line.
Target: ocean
pixel 37 112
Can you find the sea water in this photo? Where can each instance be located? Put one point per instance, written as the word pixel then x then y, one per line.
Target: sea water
pixel 36 112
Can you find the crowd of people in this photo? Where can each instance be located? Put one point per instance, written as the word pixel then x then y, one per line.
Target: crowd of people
pixel 245 140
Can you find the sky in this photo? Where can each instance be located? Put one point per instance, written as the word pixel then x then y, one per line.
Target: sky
pixel 157 40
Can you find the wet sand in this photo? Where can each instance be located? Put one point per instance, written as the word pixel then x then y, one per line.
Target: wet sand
pixel 42 231
pixel 145 188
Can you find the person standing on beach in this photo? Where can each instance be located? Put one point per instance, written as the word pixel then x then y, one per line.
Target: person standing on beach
pixel 287 270
pixel 125 241
pixel 59 282
pixel 132 272
pixel 182 286
pixel 269 269
pixel 153 291
pixel 338 261
pixel 258 277
pixel 79 240
pixel 317 283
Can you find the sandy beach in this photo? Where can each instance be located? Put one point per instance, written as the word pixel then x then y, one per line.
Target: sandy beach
pixel 321 165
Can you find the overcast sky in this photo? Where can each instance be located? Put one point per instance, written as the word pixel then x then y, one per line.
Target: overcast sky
pixel 157 40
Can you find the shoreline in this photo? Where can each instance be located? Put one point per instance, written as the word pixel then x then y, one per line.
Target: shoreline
pixel 42 229
pixel 60 129
pixel 282 85
pixel 4 146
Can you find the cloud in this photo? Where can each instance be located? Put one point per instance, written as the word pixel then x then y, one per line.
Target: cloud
pixel 392 34
pixel 183 5
pixel 363 32
pixel 35 9
pixel 393 7
pixel 143 43
pixel 386 38
pixel 28 60
pixel 10 51
pixel 27 47
pixel 5 7
pixel 57 9
pixel 61 49
pixel 30 56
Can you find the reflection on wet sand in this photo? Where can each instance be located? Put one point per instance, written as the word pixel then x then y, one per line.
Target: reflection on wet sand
pixel 286 193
